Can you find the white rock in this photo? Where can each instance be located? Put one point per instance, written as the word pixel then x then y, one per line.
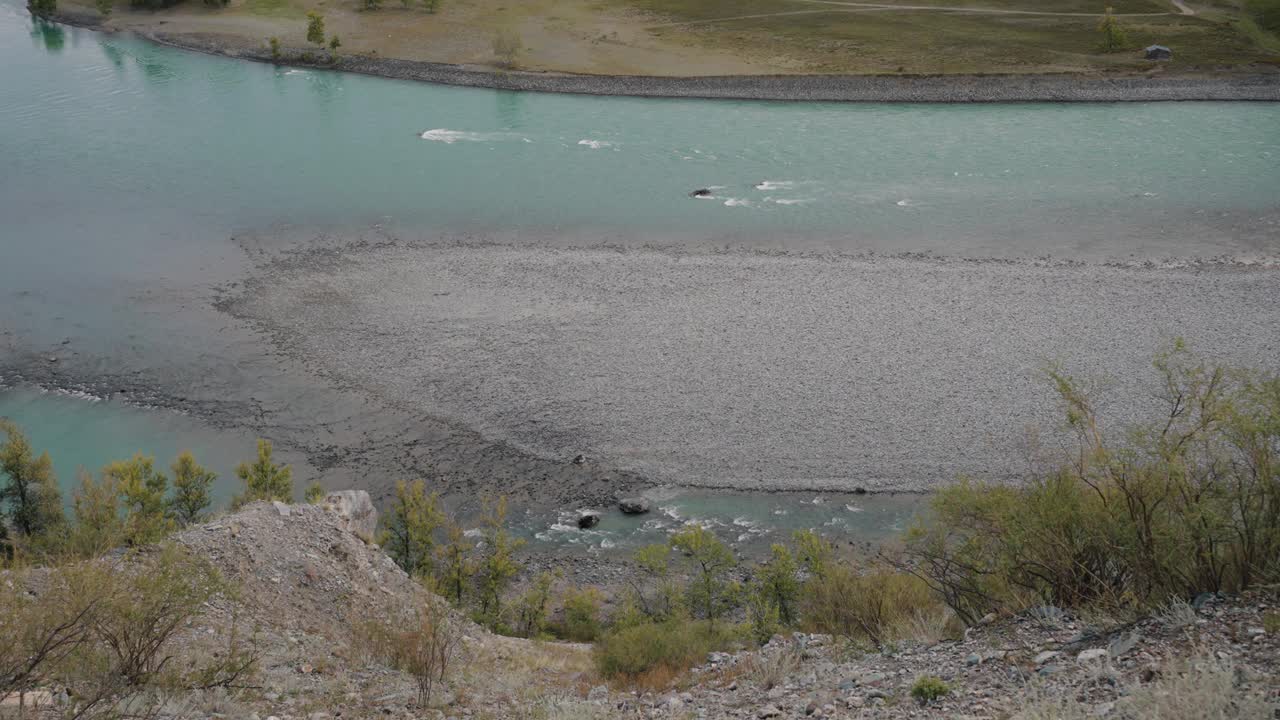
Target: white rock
pixel 1091 655
pixel 1046 656
pixel 355 511
pixel 281 508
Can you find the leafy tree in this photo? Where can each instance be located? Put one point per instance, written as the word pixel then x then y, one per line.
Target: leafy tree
pixel 813 552
pixel 779 585
pixel 264 480
pixel 98 525
pixel 431 6
pixel 711 590
pixel 409 528
pixel 497 566
pixel 142 488
pixel 334 44
pixel 273 42
pixel 29 494
pixel 372 4
pixel 581 615
pixel 1114 36
pixel 192 486
pixel 666 602
pixel 531 608
pixel 105 6
pixel 455 565
pixel 315 29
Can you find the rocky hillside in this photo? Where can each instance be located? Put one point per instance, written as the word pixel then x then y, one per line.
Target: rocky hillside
pixel 310 587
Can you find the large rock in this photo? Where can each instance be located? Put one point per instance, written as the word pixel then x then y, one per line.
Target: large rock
pixel 355 511
pixel 588 519
pixel 633 505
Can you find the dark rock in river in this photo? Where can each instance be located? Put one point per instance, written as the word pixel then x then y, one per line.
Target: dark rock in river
pixel 633 506
pixel 588 519
pixel 701 192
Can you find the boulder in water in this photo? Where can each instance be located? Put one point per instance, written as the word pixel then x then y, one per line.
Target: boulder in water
pixel 633 505
pixel 588 519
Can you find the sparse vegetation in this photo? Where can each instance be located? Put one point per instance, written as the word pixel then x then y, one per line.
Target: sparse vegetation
pixel 1114 36
pixel 928 688
pixel 313 494
pixel 264 480
pixel 581 609
pixel 104 7
pixel 652 654
pixel 273 43
pixel 506 47
pixel 315 29
pixel 42 8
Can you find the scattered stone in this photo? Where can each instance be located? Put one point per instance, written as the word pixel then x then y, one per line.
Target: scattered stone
pixel 579 459
pixel 634 505
pixel 973 659
pixel 768 711
pixel 1091 655
pixel 1046 656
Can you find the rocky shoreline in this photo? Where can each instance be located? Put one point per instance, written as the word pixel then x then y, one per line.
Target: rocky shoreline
pixel 994 88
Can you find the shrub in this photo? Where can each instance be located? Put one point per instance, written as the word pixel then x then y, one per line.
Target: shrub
pixel 426 648
pixel 1187 504
pixel 864 605
pixel 659 650
pixel 273 43
pixel 1114 36
pixel 264 480
pixel 928 688
pixel 313 494
pixel 104 7
pixel 581 622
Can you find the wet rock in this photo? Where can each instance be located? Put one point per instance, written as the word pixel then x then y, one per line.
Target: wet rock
pixel 634 505
pixel 588 519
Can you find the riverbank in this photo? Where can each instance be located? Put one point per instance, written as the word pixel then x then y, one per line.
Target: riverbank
pixel 1153 86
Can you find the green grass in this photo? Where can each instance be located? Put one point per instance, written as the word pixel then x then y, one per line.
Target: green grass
pixel 274 8
pixel 936 42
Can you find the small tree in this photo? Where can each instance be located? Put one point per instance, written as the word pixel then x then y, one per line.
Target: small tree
pixel 372 4
pixel 497 566
pixel 313 494
pixel 29 494
pixel 315 29
pixel 142 488
pixel 98 526
pixel 813 552
pixel 1113 35
pixel 779 585
pixel 431 6
pixel 581 615
pixel 531 609
pixel 711 591
pixel 334 44
pixel 506 47
pixel 192 485
pixel 264 480
pixel 409 529
pixel 104 7
pixel 456 566
pixel 273 42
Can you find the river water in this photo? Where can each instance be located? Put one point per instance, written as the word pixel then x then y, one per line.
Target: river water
pixel 126 170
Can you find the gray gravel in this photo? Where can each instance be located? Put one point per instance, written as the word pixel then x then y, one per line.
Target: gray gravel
pixel 752 371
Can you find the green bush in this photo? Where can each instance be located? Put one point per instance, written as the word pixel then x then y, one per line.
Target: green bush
pixel 1187 504
pixel 1266 13
pixel 868 605
pixel 661 650
pixel 928 688
pixel 581 621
